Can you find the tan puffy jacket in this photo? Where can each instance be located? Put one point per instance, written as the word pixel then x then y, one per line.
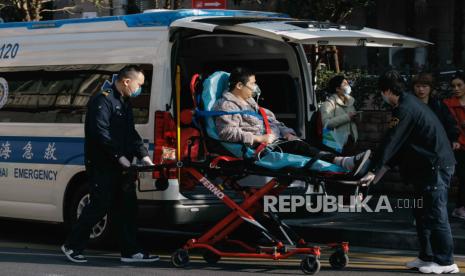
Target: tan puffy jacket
pixel 335 115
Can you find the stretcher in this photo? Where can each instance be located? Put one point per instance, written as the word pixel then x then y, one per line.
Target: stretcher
pixel 232 162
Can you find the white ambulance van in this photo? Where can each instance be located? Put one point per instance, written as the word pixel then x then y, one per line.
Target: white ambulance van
pixel 50 69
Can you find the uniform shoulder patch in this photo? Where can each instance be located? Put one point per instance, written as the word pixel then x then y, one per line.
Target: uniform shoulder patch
pixel 393 122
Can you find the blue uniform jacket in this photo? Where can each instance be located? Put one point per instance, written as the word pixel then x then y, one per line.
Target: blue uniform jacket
pixel 110 131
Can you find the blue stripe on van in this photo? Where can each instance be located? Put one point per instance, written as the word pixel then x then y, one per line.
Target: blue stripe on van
pixel 161 18
pixel 44 150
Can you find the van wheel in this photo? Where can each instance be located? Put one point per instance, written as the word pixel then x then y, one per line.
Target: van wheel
pixel 101 232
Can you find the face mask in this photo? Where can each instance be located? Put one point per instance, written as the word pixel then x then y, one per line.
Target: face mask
pixel 256 91
pixel 136 93
pixel 385 98
pixel 347 90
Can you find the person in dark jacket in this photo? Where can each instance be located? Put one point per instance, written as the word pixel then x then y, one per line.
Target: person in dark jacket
pixel 456 105
pixel 417 140
pixel 423 89
pixel 111 143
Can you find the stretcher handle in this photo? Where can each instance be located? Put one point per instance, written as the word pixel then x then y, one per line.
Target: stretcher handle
pixel 351 182
pixel 149 168
pixel 159 184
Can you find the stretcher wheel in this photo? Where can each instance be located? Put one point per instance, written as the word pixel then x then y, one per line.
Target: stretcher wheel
pixel 211 257
pixel 180 258
pixel 310 265
pixel 338 260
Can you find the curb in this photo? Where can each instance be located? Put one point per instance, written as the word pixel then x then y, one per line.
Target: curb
pixel 403 240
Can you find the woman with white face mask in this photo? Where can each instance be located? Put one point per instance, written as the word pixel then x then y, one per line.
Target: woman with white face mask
pixel 338 112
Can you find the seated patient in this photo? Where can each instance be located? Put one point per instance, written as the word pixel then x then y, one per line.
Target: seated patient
pixel 250 130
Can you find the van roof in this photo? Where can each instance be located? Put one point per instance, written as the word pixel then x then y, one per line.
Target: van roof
pixel 152 18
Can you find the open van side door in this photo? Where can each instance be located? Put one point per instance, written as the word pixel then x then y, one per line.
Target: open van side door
pixel 302 32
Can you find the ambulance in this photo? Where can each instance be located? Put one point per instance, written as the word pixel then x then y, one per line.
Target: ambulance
pixel 50 69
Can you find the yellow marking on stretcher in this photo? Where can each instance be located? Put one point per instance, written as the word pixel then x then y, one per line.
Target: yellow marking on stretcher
pixel 178 116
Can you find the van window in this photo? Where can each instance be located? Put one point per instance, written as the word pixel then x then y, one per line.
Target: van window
pixel 59 94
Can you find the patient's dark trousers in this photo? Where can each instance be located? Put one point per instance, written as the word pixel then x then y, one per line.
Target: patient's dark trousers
pixel 300 147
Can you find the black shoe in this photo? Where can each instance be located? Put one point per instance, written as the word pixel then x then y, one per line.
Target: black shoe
pixel 139 258
pixel 73 255
pixel 361 163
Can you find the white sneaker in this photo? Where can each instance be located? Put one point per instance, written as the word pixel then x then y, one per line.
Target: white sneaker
pixel 139 258
pixel 417 263
pixel 459 213
pixel 439 269
pixel 73 255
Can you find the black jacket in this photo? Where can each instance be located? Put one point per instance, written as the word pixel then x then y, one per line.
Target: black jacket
pixel 415 139
pixel 110 131
pixel 448 121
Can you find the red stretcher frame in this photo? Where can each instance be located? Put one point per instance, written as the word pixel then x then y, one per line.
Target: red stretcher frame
pixel 244 212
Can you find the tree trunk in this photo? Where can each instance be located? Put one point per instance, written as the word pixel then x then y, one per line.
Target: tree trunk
pixel 458 32
pixel 36 10
pixel 337 69
pixel 410 15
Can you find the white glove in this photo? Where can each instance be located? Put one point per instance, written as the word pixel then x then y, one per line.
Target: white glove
pixel 124 162
pixel 368 178
pixel 147 161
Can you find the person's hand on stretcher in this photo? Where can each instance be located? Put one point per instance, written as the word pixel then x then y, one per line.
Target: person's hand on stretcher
pixel 372 177
pixel 367 179
pixel 264 139
pixel 270 138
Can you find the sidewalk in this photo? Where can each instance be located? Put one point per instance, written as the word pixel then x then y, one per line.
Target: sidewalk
pixel 384 230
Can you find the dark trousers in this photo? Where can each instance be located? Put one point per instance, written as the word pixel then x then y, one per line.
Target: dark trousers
pixel 432 221
pixel 460 171
pixel 300 147
pixel 111 193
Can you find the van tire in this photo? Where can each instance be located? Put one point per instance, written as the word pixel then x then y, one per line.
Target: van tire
pixel 102 233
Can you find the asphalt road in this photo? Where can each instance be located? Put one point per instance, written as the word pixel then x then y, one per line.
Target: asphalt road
pixel 28 248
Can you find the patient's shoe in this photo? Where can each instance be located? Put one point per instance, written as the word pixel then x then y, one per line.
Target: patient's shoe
pixel 361 163
pixel 357 164
pixel 459 213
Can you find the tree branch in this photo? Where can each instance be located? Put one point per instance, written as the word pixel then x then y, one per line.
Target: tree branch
pixel 345 14
pixel 68 10
pixel 2 6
